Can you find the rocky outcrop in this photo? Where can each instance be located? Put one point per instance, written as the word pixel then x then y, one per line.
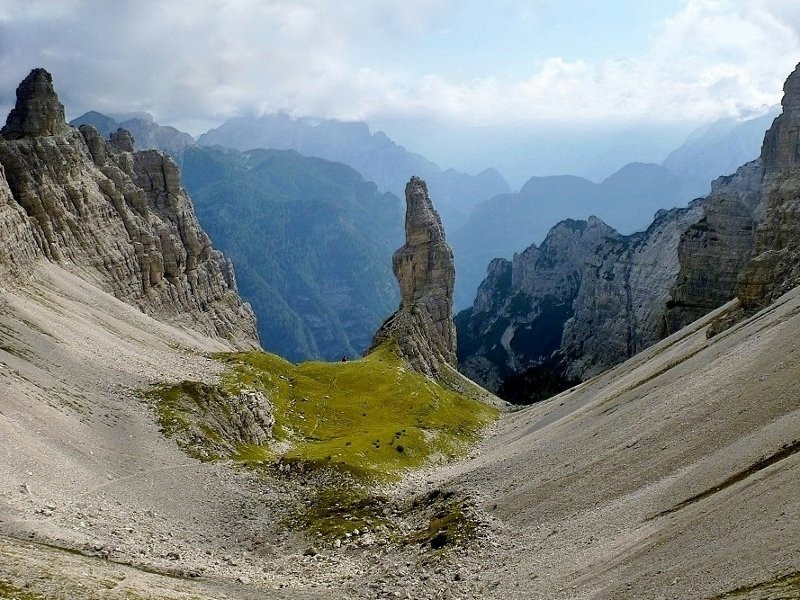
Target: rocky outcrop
pixel 423 326
pixel 116 217
pixel 775 267
pixel 742 240
pixel 147 134
pixel 19 248
pixel 38 111
pixel 585 300
pixel 713 251
pixel 625 289
pixel 746 245
pixel 517 321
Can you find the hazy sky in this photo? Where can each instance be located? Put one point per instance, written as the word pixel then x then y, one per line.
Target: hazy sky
pixel 193 63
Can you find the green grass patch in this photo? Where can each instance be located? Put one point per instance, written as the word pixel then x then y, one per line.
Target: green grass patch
pixel 372 417
pixel 335 512
pixel 10 592
pixel 449 528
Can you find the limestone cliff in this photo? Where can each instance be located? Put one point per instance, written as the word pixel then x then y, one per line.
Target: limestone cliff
pixel 118 218
pixel 775 267
pixel 622 294
pixel 423 326
pixel 518 318
pixel 746 245
pixel 585 300
pixel 625 289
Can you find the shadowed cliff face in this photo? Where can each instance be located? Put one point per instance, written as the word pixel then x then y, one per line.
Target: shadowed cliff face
pixel 116 217
pixel 423 325
pixel 583 301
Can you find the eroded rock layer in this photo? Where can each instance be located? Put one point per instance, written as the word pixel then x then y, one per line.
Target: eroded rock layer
pixel 118 218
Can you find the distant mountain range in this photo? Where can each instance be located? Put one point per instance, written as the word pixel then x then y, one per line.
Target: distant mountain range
pixel 627 200
pixel 719 149
pixel 484 220
pixel 374 155
pixel 311 242
pixel 508 223
pixel 148 134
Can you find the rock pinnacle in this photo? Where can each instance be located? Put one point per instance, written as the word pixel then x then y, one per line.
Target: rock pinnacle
pixel 38 111
pixel 423 325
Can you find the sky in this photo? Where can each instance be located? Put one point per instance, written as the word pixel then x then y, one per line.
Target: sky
pixel 505 65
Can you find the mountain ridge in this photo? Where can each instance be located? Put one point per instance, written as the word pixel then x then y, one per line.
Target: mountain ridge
pixel 374 155
pixel 118 216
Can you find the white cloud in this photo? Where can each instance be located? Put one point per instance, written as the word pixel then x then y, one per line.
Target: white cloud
pixel 196 63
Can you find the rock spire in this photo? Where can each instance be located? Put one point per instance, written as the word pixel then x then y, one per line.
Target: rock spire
pixel 423 325
pixel 37 111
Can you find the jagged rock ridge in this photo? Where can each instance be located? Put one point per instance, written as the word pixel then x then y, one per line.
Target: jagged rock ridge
pixel 148 134
pixel 584 300
pixel 741 241
pixel 37 111
pixel 118 218
pixel 423 326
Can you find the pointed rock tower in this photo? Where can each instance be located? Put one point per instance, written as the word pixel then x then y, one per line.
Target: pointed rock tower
pixel 423 326
pixel 38 111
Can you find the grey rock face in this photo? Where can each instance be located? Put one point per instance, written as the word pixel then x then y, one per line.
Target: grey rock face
pixel 625 289
pixel 19 248
pixel 118 218
pixel 775 267
pixel 713 251
pixel 38 111
pixel 585 300
pixel 423 325
pixel 746 245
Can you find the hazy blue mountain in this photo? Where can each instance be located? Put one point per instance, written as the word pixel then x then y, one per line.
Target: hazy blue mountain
pixel 718 149
pixel 147 134
pixel 508 223
pixel 374 155
pixel 626 200
pixel 311 242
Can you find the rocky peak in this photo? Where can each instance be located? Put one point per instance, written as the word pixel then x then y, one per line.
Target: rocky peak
pixel 781 148
pixel 122 140
pixel 119 219
pixel 423 325
pixel 37 111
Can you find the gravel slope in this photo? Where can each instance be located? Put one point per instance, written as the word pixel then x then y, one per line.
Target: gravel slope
pixel 675 475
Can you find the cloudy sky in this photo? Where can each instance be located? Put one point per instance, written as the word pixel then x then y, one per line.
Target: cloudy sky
pixel 193 63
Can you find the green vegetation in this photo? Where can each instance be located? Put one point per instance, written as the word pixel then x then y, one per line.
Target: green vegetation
pixel 311 240
pixel 448 526
pixel 10 592
pixel 364 422
pixel 337 511
pixel 372 418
